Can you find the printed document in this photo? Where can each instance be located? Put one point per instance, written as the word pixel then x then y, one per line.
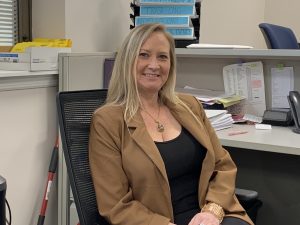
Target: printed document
pixel 210 97
pixel 282 84
pixel 247 79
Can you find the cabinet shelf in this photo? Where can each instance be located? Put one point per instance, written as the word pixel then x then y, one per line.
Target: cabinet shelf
pixel 238 53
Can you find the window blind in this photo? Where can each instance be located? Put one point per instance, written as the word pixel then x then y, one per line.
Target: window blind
pixel 8 22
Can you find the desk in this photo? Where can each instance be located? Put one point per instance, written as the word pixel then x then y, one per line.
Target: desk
pixel 278 139
pixel 268 161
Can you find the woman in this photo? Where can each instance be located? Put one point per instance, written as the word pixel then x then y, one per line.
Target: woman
pixel 154 157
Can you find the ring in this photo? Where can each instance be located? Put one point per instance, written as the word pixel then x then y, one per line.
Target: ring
pixel 201 224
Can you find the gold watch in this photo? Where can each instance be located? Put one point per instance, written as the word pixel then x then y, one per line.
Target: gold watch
pixel 215 209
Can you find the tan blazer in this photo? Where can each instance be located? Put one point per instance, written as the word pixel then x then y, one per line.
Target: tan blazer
pixel 129 175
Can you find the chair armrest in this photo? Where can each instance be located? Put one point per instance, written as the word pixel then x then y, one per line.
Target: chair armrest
pixel 246 195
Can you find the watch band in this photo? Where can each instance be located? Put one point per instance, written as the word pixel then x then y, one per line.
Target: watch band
pixel 215 209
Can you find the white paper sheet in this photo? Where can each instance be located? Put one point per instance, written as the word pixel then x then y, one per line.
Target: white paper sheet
pixel 247 79
pixel 282 84
pixel 220 46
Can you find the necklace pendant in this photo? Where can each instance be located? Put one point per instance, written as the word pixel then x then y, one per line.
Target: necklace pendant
pixel 160 127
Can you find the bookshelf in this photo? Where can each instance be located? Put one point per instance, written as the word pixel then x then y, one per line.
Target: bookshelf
pixel 181 18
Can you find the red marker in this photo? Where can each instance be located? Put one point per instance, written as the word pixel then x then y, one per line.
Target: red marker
pixel 237 133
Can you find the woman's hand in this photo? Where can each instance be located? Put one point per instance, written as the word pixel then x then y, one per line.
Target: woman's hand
pixel 171 224
pixel 204 218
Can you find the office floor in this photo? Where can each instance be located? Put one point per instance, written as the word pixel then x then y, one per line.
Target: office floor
pixel 276 177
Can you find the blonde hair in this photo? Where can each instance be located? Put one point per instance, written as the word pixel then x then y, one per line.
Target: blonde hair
pixel 123 85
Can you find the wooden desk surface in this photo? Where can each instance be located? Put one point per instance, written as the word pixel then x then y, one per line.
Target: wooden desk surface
pixel 278 139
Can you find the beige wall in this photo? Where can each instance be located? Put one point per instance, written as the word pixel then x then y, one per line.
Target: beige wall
pixel 28 131
pixel 98 25
pixel 236 21
pixel 48 19
pixel 285 13
pixel 101 25
pixel 232 22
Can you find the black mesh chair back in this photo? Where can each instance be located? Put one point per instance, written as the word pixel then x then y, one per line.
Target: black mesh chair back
pixel 75 109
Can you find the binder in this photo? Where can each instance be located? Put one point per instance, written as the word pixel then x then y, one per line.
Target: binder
pixel 167 10
pixel 181 32
pixel 170 21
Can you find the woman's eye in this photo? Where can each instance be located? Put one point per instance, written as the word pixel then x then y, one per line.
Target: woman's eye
pixel 164 57
pixel 143 54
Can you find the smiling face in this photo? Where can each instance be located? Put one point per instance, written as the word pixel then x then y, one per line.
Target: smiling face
pixel 153 64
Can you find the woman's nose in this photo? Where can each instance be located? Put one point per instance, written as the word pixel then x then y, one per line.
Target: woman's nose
pixel 153 63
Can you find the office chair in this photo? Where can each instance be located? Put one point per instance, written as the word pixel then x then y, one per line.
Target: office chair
pixel 278 37
pixel 75 109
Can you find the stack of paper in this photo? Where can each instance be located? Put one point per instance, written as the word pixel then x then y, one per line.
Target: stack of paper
pixel 211 97
pixel 219 119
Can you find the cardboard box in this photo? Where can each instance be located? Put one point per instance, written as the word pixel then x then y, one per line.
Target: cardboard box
pixel 33 59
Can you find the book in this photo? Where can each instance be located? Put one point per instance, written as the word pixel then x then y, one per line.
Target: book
pixel 169 21
pixel 167 10
pixel 191 2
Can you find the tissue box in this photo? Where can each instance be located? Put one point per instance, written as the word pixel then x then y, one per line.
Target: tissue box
pixel 33 59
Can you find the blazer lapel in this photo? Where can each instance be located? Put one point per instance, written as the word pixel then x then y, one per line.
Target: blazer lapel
pixel 140 135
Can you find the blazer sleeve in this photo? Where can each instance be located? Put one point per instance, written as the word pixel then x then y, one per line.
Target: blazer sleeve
pixel 221 188
pixel 114 195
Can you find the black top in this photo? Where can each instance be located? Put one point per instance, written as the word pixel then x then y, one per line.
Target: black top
pixel 183 157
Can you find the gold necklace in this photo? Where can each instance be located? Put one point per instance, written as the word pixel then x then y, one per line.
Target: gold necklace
pixel 160 127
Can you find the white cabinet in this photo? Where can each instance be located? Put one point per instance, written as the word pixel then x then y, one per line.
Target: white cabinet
pixel 28 131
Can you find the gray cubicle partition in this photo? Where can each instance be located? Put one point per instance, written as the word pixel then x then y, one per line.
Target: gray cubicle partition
pixel 77 71
pixel 274 173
